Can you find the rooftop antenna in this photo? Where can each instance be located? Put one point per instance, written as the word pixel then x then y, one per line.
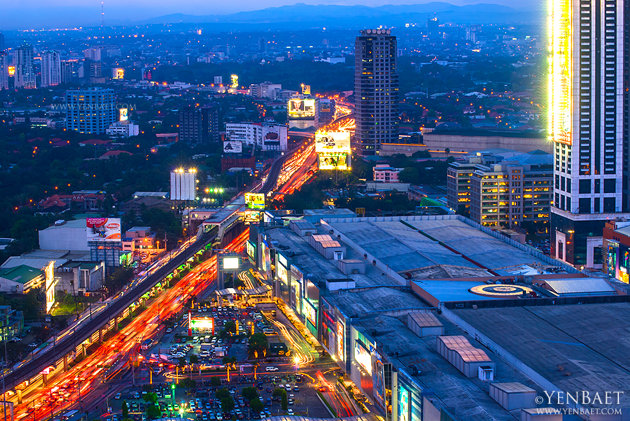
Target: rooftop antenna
pixel 102 13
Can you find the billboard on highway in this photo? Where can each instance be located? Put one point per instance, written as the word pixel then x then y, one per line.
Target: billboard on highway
pixel 332 142
pixel 103 229
pixel 232 146
pixel 301 108
pixel 255 200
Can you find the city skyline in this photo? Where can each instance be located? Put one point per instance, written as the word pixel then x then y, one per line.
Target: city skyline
pixel 387 211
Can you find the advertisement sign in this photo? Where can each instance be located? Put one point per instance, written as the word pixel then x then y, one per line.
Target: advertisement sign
pixel 124 114
pixel 325 106
pixel 234 81
pixel 378 381
pixel 403 404
pixel 336 161
pixel 103 229
pixel 340 340
pixel 282 274
pixel 311 313
pixel 618 261
pixel 202 323
pixel 49 272
pixel 301 108
pixel 363 357
pixel 232 146
pixel 231 263
pixel 255 200
pixel 266 258
pixel 118 73
pixel 251 250
pixel 332 142
pixel 559 75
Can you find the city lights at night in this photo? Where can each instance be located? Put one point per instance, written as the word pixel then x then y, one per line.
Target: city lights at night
pixel 314 211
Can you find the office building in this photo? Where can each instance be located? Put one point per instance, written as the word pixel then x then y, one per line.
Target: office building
pixel 51 68
pixel 123 129
pixel 502 193
pixel 265 90
pixel 385 173
pixel 24 68
pixel 588 124
pixel 375 90
pixel 70 71
pixel 4 71
pixel 183 184
pixel 198 124
pixel 2 46
pixel 265 136
pixel 90 111
pixel 11 321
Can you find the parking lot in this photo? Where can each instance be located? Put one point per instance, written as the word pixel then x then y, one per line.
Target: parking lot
pixel 188 370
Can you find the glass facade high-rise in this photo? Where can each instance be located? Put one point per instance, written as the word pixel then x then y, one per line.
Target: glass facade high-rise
pixel 4 71
pixel 375 90
pixel 24 68
pixel 51 69
pixel 588 108
pixel 90 111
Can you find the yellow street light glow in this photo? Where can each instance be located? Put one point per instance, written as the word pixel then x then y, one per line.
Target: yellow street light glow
pixel 560 71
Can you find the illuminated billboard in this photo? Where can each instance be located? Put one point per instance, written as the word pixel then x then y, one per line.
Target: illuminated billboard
pixel 363 357
pixel 103 229
pixel 124 114
pixel 234 81
pixel 49 272
pixel 335 161
pixel 255 200
pixel 560 63
pixel 202 323
pixel 118 73
pixel 330 142
pixel 340 340
pixel 301 108
pixel 333 150
pixel 310 313
pixel 403 404
pixel 230 263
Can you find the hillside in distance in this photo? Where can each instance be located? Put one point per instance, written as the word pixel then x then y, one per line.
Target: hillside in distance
pixel 331 16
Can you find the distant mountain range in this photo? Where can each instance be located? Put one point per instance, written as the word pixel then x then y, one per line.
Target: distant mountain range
pixel 293 17
pixel 316 16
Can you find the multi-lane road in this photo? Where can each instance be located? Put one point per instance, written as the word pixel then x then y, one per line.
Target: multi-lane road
pixel 73 386
pixel 67 388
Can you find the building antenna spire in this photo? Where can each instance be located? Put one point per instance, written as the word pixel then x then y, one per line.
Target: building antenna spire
pixel 102 13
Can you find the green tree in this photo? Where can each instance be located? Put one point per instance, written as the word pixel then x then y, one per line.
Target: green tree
pixel 150 397
pixel 194 359
pixel 258 344
pixel 222 393
pixel 215 381
pixel 230 327
pixel 153 411
pixel 249 393
pixel 125 409
pixel 256 404
pixel 227 403
pixel 188 383
pixel 284 401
